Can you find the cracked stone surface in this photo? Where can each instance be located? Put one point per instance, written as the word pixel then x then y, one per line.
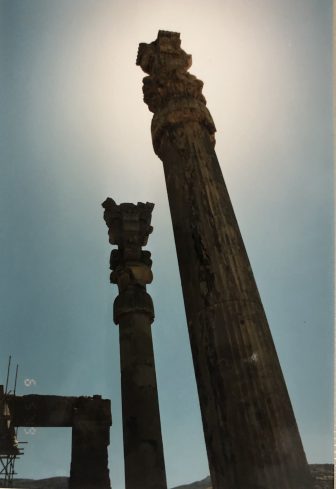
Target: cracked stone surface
pixel 251 434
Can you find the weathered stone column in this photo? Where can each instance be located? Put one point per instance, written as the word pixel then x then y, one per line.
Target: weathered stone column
pixel 91 422
pixel 129 227
pixel 250 430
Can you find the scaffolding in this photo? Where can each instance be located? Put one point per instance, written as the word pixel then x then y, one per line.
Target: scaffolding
pixel 10 449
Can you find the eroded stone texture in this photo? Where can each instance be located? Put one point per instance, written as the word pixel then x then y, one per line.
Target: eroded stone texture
pixel 129 227
pixel 250 430
pixel 90 419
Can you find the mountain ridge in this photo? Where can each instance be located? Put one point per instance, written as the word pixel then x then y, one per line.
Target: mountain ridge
pixel 323 475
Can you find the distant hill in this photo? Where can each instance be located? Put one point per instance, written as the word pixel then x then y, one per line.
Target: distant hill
pixel 322 473
pixel 203 484
pixel 52 483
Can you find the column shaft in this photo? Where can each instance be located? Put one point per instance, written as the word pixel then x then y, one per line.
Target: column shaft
pixel 250 430
pixel 143 451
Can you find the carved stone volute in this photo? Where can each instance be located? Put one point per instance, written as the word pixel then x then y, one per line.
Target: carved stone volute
pixel 171 93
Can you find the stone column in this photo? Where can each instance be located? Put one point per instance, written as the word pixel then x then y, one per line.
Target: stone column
pixel 250 430
pixel 91 420
pixel 129 227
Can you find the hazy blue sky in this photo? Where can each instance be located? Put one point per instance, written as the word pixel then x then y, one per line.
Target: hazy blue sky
pixel 74 130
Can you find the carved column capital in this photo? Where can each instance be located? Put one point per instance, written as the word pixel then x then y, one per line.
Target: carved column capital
pixel 129 228
pixel 128 224
pixel 171 93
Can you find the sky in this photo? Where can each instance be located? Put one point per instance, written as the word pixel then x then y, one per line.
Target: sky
pixel 75 130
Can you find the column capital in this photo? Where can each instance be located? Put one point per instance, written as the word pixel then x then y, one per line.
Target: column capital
pixel 171 93
pixel 129 228
pixel 128 224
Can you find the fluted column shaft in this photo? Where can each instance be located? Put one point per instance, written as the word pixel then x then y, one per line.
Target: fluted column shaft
pixel 250 430
pixel 129 227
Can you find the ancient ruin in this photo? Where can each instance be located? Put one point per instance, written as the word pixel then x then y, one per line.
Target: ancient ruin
pixel 250 430
pixel 90 420
pixel 129 228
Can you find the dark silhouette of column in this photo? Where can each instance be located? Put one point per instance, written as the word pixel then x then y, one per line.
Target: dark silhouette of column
pixel 90 420
pixel 129 227
pixel 90 439
pixel 250 430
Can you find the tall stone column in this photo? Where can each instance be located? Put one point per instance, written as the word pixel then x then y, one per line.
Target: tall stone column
pixel 251 435
pixel 129 228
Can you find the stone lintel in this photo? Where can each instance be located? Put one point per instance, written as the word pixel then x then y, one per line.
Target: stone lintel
pixel 57 411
